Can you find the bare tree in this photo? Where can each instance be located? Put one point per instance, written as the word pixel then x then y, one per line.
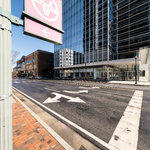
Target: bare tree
pixel 15 55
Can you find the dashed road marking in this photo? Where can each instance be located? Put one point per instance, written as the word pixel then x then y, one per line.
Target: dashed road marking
pixel 51 90
pixel 76 92
pixel 114 88
pixel 81 87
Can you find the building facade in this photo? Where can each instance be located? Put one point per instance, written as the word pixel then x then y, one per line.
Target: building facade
pixel 73 26
pixel 20 68
pixel 108 34
pixel 64 57
pixel 37 64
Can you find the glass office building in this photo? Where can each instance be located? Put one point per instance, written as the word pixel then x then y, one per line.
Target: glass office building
pixel 73 17
pixel 104 35
pixel 99 33
pixel 133 26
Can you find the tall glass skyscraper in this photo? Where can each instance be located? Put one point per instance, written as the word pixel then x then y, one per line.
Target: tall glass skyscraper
pixel 133 26
pixel 73 17
pixel 102 34
pixel 99 25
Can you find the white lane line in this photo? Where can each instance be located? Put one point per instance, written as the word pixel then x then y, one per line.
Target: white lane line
pixel 81 87
pixel 48 128
pixel 51 90
pixel 125 136
pixel 16 82
pixel 92 136
pixel 95 87
pixel 25 82
pixel 76 92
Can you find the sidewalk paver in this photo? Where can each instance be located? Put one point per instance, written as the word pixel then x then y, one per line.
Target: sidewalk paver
pixel 131 82
pixel 28 133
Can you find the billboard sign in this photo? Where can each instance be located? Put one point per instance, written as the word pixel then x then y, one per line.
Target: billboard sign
pixel 45 19
pixel 40 31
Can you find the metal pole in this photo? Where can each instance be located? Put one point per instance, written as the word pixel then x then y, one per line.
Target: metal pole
pixel 135 69
pixel 5 79
pixel 108 30
pixel 108 37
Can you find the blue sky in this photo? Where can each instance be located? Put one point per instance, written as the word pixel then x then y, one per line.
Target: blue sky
pixel 24 43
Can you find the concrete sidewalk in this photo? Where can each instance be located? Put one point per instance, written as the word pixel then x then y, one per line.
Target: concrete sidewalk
pixel 29 133
pixel 130 83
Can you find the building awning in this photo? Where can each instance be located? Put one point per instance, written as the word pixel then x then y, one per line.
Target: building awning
pixel 118 62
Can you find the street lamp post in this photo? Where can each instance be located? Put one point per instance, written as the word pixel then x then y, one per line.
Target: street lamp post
pixel 136 73
pixel 6 18
pixel 5 79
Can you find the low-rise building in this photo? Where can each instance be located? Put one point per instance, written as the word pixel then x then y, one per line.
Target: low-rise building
pixel 64 57
pixel 144 64
pixel 21 67
pixel 37 64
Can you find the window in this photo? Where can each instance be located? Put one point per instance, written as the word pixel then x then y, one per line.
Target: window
pixel 51 60
pixel 143 73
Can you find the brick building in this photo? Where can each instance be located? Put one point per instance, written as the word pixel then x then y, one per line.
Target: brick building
pixel 20 68
pixel 15 72
pixel 37 64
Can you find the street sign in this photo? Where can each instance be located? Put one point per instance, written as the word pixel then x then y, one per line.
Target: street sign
pixel 43 19
pixel 40 31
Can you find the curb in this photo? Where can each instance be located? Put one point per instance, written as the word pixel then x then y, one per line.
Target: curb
pixel 87 135
pixel 63 143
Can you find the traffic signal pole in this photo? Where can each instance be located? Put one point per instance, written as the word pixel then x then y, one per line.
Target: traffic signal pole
pixel 5 79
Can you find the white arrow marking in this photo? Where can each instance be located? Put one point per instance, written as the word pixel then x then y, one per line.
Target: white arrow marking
pixel 58 96
pixel 76 92
pixel 52 100
pixel 76 100
pixel 46 33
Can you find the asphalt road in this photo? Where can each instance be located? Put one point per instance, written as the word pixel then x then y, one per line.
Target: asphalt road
pixel 97 110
